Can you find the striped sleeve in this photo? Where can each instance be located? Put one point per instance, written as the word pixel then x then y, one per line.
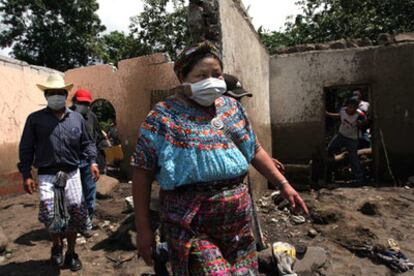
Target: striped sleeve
pixel 150 140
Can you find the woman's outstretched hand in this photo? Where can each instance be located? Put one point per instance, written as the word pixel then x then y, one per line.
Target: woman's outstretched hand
pixel 145 245
pixel 294 198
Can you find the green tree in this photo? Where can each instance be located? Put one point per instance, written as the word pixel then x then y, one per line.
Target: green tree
pixel 327 20
pixel 59 34
pixel 105 112
pixel 273 40
pixel 161 27
pixel 117 46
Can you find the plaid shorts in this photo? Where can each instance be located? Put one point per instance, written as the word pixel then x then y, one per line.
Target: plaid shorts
pixel 73 197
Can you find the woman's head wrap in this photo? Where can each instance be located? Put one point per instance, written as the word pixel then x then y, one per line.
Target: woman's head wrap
pixel 189 54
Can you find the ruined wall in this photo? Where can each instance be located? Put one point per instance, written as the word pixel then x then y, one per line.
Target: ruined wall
pixel 297 83
pixel 245 57
pixel 128 88
pixel 19 96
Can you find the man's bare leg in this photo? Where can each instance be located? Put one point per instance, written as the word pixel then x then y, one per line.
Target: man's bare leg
pixel 56 239
pixel 71 237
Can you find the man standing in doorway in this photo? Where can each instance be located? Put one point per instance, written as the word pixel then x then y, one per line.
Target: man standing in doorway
pixel 362 105
pixel 82 100
pixel 364 139
pixel 351 120
pixel 54 140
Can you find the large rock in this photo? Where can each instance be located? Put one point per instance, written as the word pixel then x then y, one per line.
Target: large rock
pixel 314 259
pixel 286 50
pixel 364 42
pixel 3 240
pixel 385 39
pixel 338 44
pixel 352 43
pixel 322 47
pixel 105 186
pixel 266 262
pixel 404 37
pixel 305 47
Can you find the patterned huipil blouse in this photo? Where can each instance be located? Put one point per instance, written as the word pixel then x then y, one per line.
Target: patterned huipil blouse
pixel 179 143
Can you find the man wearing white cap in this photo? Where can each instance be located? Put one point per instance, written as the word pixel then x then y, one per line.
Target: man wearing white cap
pixel 53 141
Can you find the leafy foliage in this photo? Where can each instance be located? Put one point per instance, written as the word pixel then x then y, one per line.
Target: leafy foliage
pixel 105 112
pixel 59 34
pixel 327 20
pixel 117 46
pixel 65 34
pixel 160 29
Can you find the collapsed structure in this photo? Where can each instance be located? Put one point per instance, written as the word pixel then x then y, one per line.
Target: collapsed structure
pixel 288 107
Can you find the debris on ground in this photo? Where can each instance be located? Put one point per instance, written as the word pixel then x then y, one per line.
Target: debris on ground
pixel 312 233
pixel 284 255
pixel 369 209
pixel 396 260
pixel 348 224
pixel 325 216
pixel 130 203
pixel 337 226
pixel 298 219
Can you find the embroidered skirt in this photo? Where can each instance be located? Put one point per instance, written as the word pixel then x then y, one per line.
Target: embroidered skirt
pixel 210 233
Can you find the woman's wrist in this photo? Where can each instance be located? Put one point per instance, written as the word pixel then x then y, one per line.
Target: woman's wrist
pixel 281 184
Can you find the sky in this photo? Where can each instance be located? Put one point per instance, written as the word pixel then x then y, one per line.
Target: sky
pixel 271 14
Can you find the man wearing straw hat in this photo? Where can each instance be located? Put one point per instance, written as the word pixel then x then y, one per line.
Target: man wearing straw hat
pixel 53 141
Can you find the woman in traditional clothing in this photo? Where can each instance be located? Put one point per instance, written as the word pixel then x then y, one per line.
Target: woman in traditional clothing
pixel 198 146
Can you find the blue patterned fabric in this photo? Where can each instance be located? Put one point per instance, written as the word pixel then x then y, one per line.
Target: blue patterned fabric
pixel 179 143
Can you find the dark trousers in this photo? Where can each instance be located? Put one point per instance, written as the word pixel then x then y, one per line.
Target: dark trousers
pixel 340 141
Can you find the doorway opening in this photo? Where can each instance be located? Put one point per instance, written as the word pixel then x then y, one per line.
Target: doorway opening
pixel 110 153
pixel 105 112
pixel 350 144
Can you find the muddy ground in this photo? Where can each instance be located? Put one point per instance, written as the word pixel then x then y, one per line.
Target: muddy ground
pixel 342 229
pixel 345 229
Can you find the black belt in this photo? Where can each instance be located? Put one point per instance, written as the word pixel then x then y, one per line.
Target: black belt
pixel 213 186
pixel 55 169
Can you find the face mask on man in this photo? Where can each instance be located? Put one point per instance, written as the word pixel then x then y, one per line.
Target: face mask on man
pixel 205 92
pixel 56 102
pixel 82 109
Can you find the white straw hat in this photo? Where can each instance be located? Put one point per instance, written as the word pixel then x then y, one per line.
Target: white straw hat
pixel 55 81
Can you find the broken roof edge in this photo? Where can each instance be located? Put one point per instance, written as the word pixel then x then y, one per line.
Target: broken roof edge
pixel 385 40
pixel 358 49
pixel 151 59
pixel 23 64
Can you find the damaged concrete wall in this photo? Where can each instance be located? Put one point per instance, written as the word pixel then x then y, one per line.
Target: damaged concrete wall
pixel 128 88
pixel 297 83
pixel 245 57
pixel 19 96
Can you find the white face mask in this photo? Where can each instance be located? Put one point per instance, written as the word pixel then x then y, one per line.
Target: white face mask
pixel 82 109
pixel 205 92
pixel 56 102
